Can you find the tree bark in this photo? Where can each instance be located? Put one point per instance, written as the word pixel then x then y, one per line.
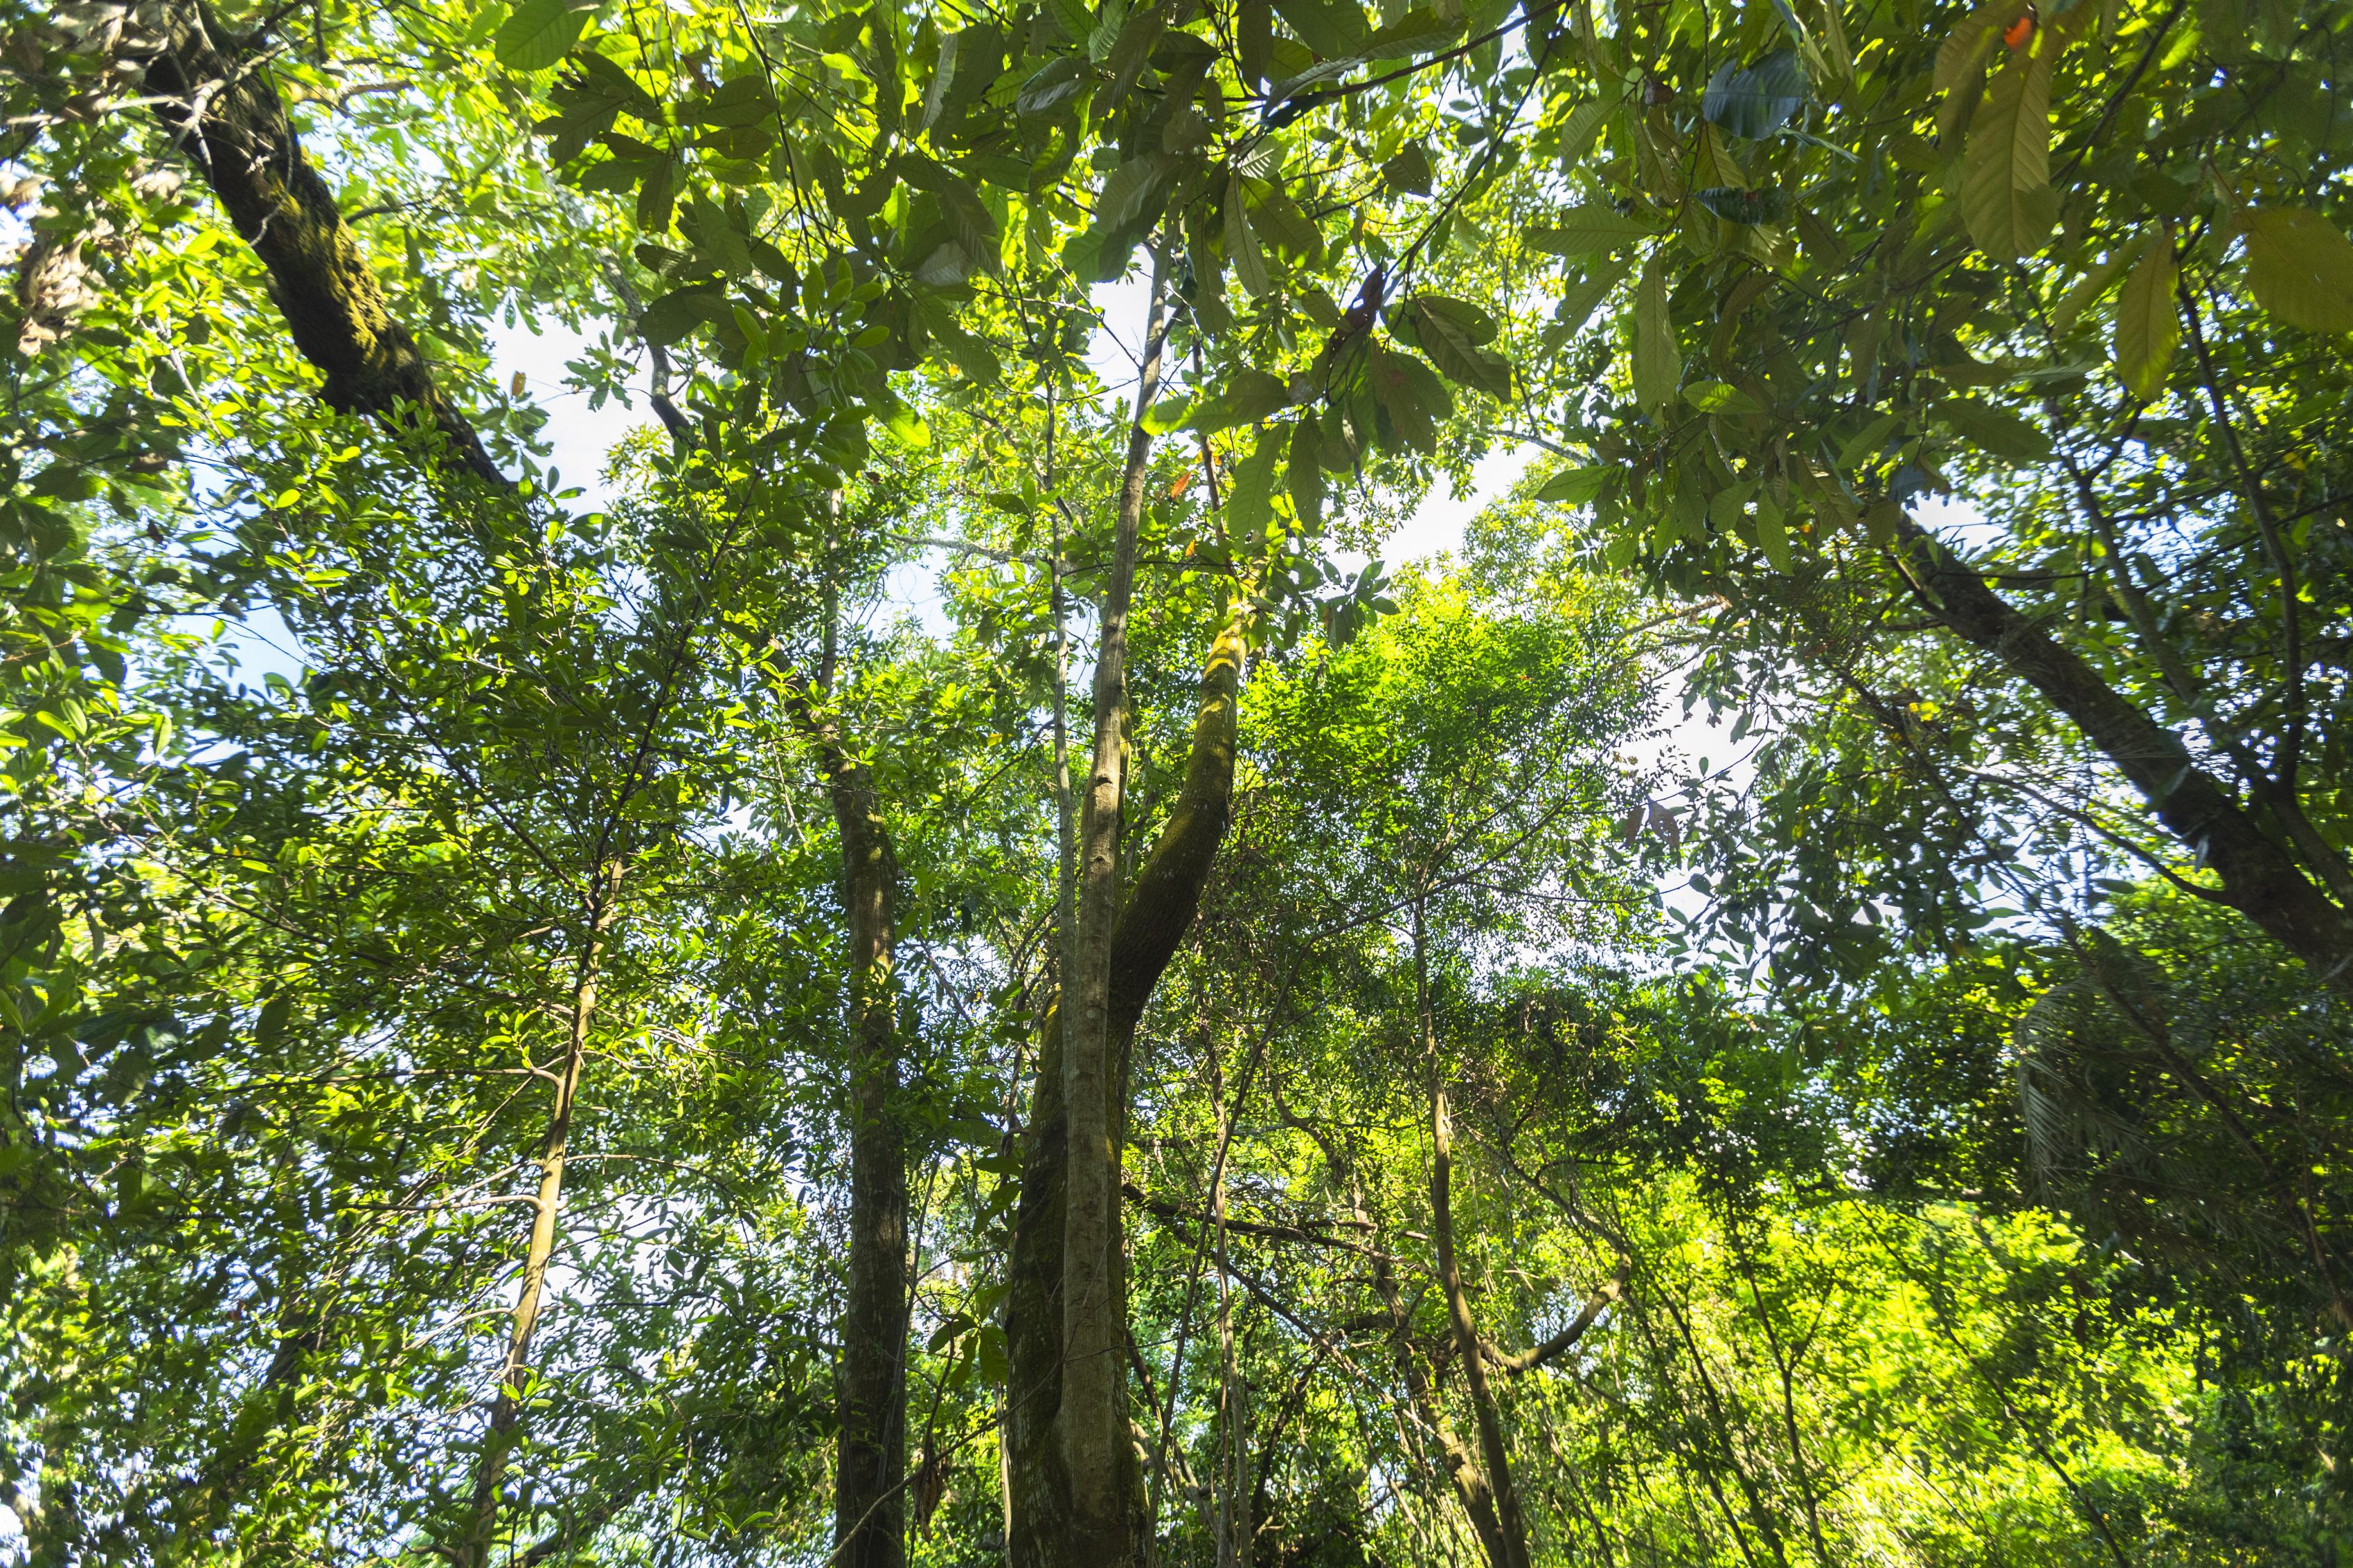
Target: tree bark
pixel 1508 1545
pixel 473 1548
pixel 216 99
pixel 2261 878
pixel 869 1526
pixel 1159 909
pixel 1463 1471
pixel 1093 1418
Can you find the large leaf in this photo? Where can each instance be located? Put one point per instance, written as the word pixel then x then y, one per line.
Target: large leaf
pixel 1410 397
pixel 1576 305
pixel 970 223
pixel 1332 29
pixel 2299 266
pixel 1057 82
pixel 2006 197
pixel 2147 325
pixel 1965 49
pixel 1250 499
pixel 1997 432
pixel 1454 334
pixel 679 312
pixel 1247 397
pixel 1132 194
pixel 1658 361
pixel 538 33
pixel 1410 171
pixel 1074 18
pixel 738 100
pixel 1254 45
pixel 1583 231
pixel 1287 224
pixel 1755 101
pixel 1583 124
pixel 1303 475
pixel 1241 243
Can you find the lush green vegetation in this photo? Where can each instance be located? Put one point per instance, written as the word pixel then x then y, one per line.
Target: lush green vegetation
pixel 540 1030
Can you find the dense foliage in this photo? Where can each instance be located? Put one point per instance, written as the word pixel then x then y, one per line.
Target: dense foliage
pixel 946 969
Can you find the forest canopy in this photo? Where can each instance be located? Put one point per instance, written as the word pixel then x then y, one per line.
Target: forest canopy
pixel 942 963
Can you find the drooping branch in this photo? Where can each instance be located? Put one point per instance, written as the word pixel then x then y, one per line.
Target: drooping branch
pixel 2260 878
pixel 213 95
pixel 1587 1316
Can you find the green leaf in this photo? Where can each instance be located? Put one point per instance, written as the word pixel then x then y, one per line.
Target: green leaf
pixel 1771 537
pixel 1658 361
pixel 943 77
pixel 1755 100
pixel 1131 192
pixel 1286 226
pixel 738 100
pixel 1583 124
pixel 2006 197
pixel 1249 500
pixel 1868 442
pixel 2300 267
pixel 1577 306
pixel 1410 171
pixel 1242 243
pixel 1965 49
pixel 538 33
pixel 1749 208
pixel 1303 476
pixel 1249 397
pixel 1588 230
pixel 1057 82
pixel 1254 43
pixel 2148 326
pixel 1411 398
pixel 1332 29
pixel 679 312
pixel 906 427
pixel 1419 31
pixel 1997 432
pixel 1575 487
pixel 1720 397
pixel 1454 334
pixel 1166 415
pixel 970 223
pixel 2094 283
pixel 1074 18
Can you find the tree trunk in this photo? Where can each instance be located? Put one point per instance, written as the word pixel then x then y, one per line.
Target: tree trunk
pixel 869 1518
pixel 1158 911
pixel 1094 1417
pixel 1507 1546
pixel 1234 1513
pixel 1463 1471
pixel 514 1376
pixel 2261 878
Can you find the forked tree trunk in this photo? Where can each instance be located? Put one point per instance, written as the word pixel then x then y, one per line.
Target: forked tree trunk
pixel 474 1549
pixel 1159 909
pixel 1093 1420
